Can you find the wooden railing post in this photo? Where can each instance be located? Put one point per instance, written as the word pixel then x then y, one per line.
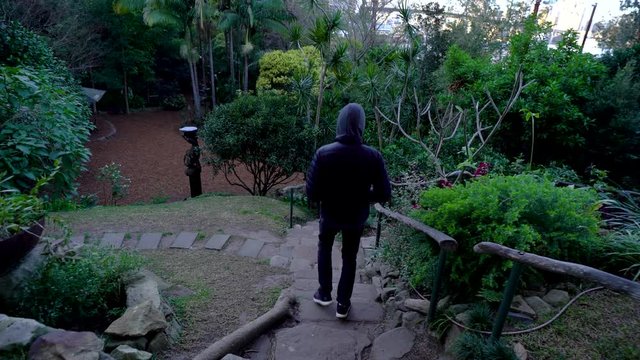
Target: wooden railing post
pixel 378 229
pixel 507 298
pixel 290 208
pixel 437 281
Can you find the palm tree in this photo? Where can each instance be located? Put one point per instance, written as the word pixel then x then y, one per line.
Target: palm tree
pixel 208 15
pixel 321 36
pixel 248 16
pixel 177 13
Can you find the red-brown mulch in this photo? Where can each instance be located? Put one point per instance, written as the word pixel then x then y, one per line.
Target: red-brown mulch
pixel 150 150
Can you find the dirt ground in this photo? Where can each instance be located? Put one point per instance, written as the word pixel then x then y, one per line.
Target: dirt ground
pixel 150 149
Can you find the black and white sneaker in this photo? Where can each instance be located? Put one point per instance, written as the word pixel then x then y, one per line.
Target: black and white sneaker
pixel 342 311
pixel 322 300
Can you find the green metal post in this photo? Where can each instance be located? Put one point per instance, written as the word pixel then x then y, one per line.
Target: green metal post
pixel 435 292
pixel 378 229
pixel 507 297
pixel 290 208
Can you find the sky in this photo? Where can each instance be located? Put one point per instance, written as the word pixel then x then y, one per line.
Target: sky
pixel 606 9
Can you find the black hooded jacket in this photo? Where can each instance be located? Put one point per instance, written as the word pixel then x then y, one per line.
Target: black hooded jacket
pixel 346 175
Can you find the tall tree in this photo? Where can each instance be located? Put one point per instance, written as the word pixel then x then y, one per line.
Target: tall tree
pixel 176 13
pixel 248 16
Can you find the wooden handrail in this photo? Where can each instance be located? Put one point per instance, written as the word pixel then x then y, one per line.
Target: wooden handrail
pixel 445 241
pixel 580 271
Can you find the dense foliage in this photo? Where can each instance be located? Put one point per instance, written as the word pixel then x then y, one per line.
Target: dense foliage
pixel 85 291
pixel 44 117
pixel 262 134
pixel 279 69
pixel 523 212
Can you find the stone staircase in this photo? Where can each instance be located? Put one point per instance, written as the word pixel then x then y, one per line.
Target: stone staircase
pixel 316 334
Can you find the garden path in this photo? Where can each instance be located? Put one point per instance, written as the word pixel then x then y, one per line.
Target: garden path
pixel 150 150
pixel 316 333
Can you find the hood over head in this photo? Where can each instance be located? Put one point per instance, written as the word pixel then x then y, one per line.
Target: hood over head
pixel 350 124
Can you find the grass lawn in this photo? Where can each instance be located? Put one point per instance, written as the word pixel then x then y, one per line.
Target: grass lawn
pixel 228 290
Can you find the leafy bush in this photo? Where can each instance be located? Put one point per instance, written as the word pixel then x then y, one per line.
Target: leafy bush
pixel 116 186
pixel 82 292
pixel 474 347
pixel 175 102
pixel 261 133
pixel 522 212
pixel 44 117
pixel 278 69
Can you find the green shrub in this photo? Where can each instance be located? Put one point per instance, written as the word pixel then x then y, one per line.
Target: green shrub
pixel 261 133
pixel 81 292
pixel 278 69
pixel 523 212
pixel 175 102
pixel 474 347
pixel 44 117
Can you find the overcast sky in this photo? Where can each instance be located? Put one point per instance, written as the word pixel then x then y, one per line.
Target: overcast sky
pixel 606 9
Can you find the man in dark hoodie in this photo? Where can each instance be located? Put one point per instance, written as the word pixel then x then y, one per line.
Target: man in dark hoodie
pixel 345 177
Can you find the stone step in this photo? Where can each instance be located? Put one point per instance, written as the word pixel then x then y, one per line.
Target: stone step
pixel 318 342
pixel 305 288
pixel 184 240
pixel 217 242
pixel 360 311
pixel 113 240
pixel 149 241
pixel 251 248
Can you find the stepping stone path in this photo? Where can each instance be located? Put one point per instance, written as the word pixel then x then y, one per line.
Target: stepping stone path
pixel 317 333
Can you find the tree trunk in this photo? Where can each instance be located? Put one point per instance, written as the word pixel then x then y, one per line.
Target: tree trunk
pixel 212 73
pixel 376 114
pixel 126 92
pixel 193 70
pixel 232 69
pixel 245 74
pixel 249 332
pixel 323 70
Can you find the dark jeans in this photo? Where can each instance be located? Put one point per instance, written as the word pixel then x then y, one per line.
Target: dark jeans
pixel 350 244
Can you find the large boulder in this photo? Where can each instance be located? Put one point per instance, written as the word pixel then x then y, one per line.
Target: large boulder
pixel 393 344
pixel 66 345
pixel 16 333
pixel 556 298
pixel 419 305
pixel 139 320
pixel 141 290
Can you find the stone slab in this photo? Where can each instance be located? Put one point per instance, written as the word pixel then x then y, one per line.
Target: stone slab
pixel 313 274
pixel 368 242
pixel 286 251
pixel 309 253
pixel 362 292
pixel 393 344
pixel 184 240
pixel 251 248
pixel 300 265
pixel 360 311
pixel 217 242
pixel 112 240
pixel 269 250
pixel 149 241
pixel 317 342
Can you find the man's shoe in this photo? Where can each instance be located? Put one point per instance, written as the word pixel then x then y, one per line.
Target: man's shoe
pixel 342 311
pixel 322 300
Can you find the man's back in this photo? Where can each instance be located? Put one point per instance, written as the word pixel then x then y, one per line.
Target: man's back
pixel 345 176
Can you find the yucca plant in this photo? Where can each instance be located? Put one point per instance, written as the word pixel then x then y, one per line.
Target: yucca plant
pixel 622 216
